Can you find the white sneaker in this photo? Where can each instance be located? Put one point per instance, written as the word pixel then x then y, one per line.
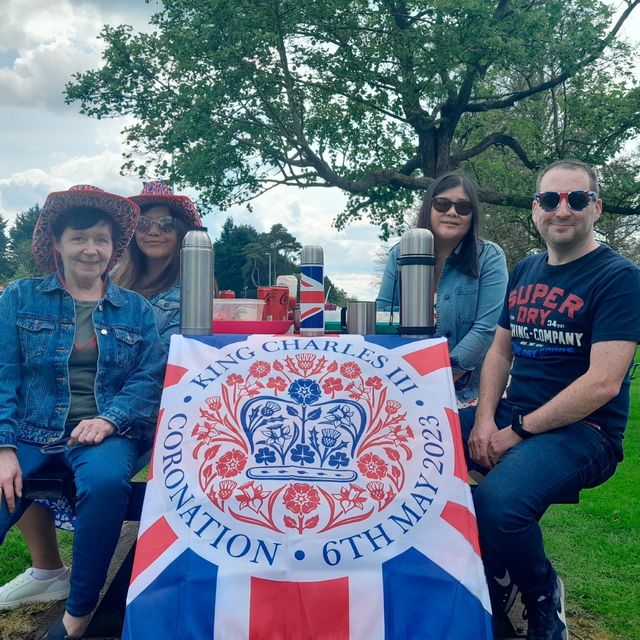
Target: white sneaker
pixel 25 589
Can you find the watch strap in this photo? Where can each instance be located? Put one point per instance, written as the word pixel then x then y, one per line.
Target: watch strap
pixel 517 426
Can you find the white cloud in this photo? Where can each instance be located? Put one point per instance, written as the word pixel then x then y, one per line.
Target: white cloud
pixel 47 146
pixel 22 190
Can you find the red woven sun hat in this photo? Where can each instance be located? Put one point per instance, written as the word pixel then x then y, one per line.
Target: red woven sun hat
pixel 157 193
pixel 123 211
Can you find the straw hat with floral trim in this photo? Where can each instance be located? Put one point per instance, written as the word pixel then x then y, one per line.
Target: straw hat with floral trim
pixel 125 214
pixel 156 193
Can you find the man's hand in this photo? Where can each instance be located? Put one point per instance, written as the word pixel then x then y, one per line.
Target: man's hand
pixel 500 442
pixel 10 477
pixel 483 430
pixel 91 431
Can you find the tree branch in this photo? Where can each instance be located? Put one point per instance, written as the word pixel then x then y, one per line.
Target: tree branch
pixel 553 82
pixel 498 140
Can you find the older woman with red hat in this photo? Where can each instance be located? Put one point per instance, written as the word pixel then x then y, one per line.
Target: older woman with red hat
pixel 80 377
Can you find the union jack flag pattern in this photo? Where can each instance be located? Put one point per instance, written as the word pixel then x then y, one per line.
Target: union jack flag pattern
pixel 308 489
pixel 311 298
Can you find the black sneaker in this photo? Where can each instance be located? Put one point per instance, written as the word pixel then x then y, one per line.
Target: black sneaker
pixel 506 606
pixel 546 615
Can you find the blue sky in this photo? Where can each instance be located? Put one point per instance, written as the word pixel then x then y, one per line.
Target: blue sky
pixel 46 145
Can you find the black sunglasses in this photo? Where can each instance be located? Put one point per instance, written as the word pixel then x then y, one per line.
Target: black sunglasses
pixel 577 200
pixel 165 224
pixel 442 205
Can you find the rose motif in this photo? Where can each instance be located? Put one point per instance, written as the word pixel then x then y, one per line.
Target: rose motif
pixel 260 369
pixel 231 463
pixel 304 392
pixel 372 466
pixel 301 498
pixel 350 370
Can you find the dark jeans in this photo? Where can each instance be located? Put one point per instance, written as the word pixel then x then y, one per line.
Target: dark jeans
pixel 547 469
pixel 102 474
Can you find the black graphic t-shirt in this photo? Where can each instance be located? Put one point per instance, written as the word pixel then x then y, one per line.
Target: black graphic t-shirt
pixel 555 314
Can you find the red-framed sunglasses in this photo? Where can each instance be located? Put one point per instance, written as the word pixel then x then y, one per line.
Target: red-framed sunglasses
pixel 577 200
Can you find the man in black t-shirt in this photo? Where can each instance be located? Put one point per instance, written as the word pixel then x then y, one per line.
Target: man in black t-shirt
pixel 566 337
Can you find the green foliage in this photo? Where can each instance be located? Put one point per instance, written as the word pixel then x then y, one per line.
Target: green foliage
pixel 5 259
pixel 335 295
pixel 373 97
pixel 16 258
pixel 242 257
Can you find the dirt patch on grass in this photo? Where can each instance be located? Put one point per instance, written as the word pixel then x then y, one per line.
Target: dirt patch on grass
pixel 29 623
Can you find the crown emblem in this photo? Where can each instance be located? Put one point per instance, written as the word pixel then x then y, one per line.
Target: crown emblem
pixel 317 424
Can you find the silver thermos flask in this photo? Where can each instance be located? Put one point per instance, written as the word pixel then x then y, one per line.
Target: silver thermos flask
pixel 196 283
pixel 416 265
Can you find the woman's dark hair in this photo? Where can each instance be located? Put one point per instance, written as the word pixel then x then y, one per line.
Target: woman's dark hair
pixel 131 270
pixel 465 258
pixel 84 218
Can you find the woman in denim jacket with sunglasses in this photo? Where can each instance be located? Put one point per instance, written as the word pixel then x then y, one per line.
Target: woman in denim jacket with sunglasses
pixel 80 367
pixel 470 276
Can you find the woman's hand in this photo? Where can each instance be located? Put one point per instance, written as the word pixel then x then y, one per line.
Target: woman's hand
pixel 91 431
pixel 10 477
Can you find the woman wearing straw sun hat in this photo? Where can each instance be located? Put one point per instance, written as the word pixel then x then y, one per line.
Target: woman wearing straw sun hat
pixel 80 377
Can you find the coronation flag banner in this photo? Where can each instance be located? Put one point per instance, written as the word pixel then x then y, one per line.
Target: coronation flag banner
pixel 308 488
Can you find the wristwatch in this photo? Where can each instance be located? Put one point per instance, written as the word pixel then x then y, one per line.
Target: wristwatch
pixel 517 417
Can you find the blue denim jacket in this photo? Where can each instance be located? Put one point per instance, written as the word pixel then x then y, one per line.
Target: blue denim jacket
pixel 467 309
pixel 37 325
pixel 166 307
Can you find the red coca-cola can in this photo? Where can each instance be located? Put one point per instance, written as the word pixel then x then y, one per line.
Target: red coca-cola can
pixel 227 293
pixel 265 293
pixel 279 307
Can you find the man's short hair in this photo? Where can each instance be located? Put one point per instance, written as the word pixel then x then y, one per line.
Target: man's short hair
pixel 571 165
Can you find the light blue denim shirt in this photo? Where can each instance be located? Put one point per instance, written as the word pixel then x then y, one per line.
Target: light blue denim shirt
pixel 467 309
pixel 166 307
pixel 37 325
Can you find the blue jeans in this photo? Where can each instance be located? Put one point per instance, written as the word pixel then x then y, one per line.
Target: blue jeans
pixel 547 469
pixel 102 474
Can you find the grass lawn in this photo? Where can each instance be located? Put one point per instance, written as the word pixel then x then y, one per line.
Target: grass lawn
pixel 595 547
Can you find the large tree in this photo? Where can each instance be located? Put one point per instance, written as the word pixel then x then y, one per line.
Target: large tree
pixel 374 97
